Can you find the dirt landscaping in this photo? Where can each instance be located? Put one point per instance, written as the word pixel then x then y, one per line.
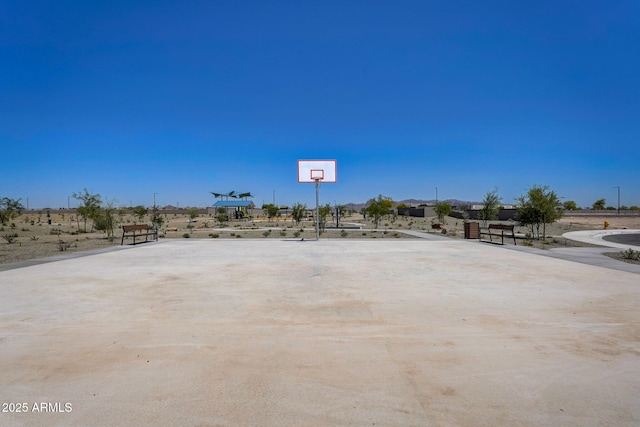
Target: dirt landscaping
pixel 32 237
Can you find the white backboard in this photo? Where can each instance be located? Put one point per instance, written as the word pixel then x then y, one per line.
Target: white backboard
pixel 316 170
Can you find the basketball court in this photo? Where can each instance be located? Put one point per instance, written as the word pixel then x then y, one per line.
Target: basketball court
pixel 330 332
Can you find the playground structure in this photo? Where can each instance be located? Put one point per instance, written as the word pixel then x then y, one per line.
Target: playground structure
pixel 238 208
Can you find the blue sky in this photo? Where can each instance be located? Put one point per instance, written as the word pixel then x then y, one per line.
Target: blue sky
pixel 181 98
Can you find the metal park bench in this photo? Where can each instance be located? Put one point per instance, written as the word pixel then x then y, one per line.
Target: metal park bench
pixel 493 229
pixel 138 230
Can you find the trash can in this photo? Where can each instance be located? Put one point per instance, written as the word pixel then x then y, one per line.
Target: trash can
pixel 471 230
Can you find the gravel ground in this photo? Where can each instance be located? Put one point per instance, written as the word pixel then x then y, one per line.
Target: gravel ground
pixel 620 256
pixel 32 239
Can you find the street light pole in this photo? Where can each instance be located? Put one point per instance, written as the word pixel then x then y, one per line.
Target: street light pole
pixel 154 199
pixel 618 187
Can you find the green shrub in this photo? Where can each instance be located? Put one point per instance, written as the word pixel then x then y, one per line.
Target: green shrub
pixel 10 238
pixel 296 234
pixel 630 254
pixel 344 233
pixel 186 235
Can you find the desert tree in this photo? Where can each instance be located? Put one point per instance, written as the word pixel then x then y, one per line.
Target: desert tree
pixel 193 213
pixel 599 205
pixel 90 206
pixel 122 213
pixel 271 210
pixel 490 207
pixel 378 208
pixel 324 212
pixel 140 212
pixel 156 218
pixel 106 219
pixel 570 205
pixel 540 206
pixel 9 209
pixel 298 212
pixel 443 209
pixel 343 211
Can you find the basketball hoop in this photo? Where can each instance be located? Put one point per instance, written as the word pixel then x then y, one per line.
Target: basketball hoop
pixel 317 174
pixel 317 171
pixel 311 170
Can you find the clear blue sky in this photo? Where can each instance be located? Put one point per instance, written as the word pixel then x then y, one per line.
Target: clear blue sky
pixel 180 98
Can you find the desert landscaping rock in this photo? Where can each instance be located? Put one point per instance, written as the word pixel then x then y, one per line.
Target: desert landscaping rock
pixel 330 332
pixel 38 240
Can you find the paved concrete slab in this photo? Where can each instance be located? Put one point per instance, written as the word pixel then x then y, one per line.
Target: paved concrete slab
pixel 606 238
pixel 335 332
pixel 585 255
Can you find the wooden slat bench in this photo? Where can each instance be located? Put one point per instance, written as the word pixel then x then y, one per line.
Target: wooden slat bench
pixel 138 230
pixel 493 231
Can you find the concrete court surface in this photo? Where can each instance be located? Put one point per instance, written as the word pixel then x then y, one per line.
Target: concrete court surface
pixel 329 333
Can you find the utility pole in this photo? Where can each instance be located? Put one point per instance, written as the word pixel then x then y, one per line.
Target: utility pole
pixel 436 195
pixel 618 187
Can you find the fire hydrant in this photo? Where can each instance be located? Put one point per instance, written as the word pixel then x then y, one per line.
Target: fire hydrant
pixel 606 225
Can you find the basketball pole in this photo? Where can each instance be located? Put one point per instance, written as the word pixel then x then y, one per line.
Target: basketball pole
pixel 317 209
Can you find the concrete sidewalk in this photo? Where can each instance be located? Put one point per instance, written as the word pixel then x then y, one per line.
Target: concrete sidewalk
pixel 331 332
pixel 597 237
